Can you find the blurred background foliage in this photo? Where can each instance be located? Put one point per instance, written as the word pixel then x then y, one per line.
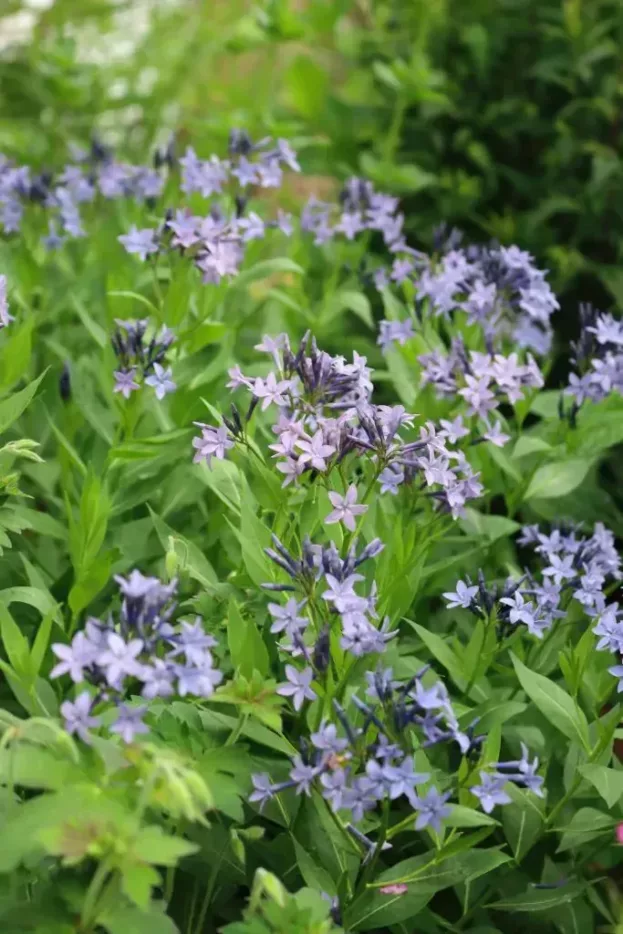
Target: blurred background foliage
pixel 503 118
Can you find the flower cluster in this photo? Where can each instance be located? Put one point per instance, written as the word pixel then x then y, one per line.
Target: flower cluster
pixel 88 174
pixel 321 566
pixel 144 649
pixel 373 761
pixel 361 209
pixel 597 357
pixel 574 566
pixel 216 242
pixel 142 359
pixel 250 164
pixel 483 380
pixel 499 289
pixel 326 413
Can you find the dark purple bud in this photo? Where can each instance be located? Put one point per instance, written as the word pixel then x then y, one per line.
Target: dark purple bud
pixel 285 566
pixel 322 651
pixel 64 383
pixel 251 409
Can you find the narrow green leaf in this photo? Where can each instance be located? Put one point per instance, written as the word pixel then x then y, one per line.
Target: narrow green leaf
pixel 12 407
pixel 555 704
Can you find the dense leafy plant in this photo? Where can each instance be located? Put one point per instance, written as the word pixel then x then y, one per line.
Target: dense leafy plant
pixel 267 630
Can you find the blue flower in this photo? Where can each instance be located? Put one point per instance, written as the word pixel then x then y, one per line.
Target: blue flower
pixel 140 242
pixel 129 722
pixel 432 809
pixel 326 739
pixel 303 775
pixel 463 596
pixel 160 380
pixel 491 792
pixel 263 791
pixel 77 716
pixel 298 686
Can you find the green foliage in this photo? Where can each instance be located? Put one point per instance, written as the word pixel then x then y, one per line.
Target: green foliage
pixel 503 119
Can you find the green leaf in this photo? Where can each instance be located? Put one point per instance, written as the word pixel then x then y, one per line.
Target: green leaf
pixel 608 782
pixel 448 658
pixel 490 527
pixel 34 767
pixel 315 876
pixel 306 83
pixel 408 178
pixel 557 479
pixel 15 643
pixel 352 301
pixel 539 899
pixel 40 645
pixel 16 354
pixel 12 407
pixel 527 445
pixel 467 817
pixel 426 877
pixel 128 919
pixel 555 704
pixel 96 331
pixel 262 270
pixel 522 820
pixel 153 845
pixel 246 646
pixel 585 825
pixel 138 882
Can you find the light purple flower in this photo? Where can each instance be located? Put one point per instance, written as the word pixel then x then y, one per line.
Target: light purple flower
pixel 454 430
pixel 125 382
pixel 560 568
pixel 212 443
pixel 303 775
pixel 194 642
pixel 142 243
pixel 432 809
pixel 77 716
pixel 463 596
pixel 288 617
pixel 326 739
pixel 74 658
pixel 345 509
pixel 161 381
pixel 335 787
pixel 298 686
pixel 315 451
pixel 157 679
pixel 129 722
pixel 119 658
pixel 342 594
pixel 496 436
pixel 184 227
pixel 262 790
pixel 271 391
pixel 253 227
pixel 491 792
pixel 391 479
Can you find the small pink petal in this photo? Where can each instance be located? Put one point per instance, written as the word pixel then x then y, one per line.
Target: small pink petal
pixel 397 888
pixel 619 833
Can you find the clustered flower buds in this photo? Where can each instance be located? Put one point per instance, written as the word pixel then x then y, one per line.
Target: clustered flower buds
pixel 141 360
